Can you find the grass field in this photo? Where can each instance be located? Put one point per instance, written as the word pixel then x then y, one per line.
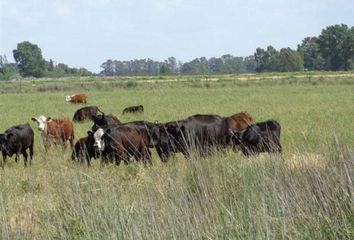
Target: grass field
pixel 307 192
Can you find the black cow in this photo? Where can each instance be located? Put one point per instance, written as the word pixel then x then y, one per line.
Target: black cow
pixel 134 109
pixel 85 113
pixel 84 149
pixel 101 121
pixel 16 140
pixel 167 138
pixel 259 137
pixel 201 133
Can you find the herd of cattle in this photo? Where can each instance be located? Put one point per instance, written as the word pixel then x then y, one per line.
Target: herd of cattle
pixel 113 141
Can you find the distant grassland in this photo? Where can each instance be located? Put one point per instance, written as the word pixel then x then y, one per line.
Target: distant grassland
pixel 305 193
pixel 238 80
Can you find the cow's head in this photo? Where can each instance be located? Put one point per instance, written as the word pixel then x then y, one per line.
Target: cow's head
pixel 156 133
pixel 2 142
pixel 4 138
pixel 68 98
pixel 99 141
pixel 41 121
pixel 240 121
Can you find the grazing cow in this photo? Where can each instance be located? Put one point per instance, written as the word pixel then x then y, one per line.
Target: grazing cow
pixel 16 140
pixel 198 132
pixel 144 128
pixel 259 137
pixel 234 124
pixel 121 142
pixel 55 131
pixel 84 149
pixel 77 98
pixel 101 121
pixel 86 113
pixel 134 109
pixel 201 132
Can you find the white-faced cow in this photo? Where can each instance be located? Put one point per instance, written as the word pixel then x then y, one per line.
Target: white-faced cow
pixel 77 98
pixel 55 131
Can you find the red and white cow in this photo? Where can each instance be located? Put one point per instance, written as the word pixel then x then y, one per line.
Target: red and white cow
pixel 77 98
pixel 55 131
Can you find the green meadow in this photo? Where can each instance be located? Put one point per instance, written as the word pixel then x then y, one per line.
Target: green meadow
pixel 304 193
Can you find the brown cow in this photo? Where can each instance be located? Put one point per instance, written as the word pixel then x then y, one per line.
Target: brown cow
pixel 55 131
pixel 77 98
pixel 121 142
pixel 239 121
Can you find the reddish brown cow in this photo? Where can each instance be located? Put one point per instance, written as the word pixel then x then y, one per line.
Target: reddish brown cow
pixel 55 131
pixel 239 121
pixel 77 98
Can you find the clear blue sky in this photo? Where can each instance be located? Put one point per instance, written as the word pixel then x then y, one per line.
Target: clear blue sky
pixel 85 33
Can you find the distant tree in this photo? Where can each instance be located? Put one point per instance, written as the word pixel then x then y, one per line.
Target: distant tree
pixel 196 66
pixel 50 67
pixel 6 69
pixel 313 59
pixel 63 67
pixel 336 44
pixel 231 64
pixel 29 59
pixel 267 60
pixel 164 69
pixel 250 64
pixel 3 64
pixel 270 60
pixel 173 65
pixel 108 68
pixel 290 60
pixel 216 66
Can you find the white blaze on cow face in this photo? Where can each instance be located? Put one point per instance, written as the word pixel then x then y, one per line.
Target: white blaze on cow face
pixel 99 143
pixel 68 98
pixel 41 121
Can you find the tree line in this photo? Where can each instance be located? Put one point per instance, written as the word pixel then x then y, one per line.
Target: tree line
pixel 332 50
pixel 29 62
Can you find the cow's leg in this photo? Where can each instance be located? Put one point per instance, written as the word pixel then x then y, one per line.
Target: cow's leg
pixel 71 140
pixel 245 151
pixel 31 153
pixel 16 157
pixel 146 155
pixel 25 156
pixel 163 156
pixel 4 157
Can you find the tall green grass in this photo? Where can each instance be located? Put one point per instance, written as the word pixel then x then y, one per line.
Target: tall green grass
pixel 221 197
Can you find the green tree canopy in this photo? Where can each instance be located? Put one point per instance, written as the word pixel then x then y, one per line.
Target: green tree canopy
pixel 336 44
pixel 309 49
pixel 290 61
pixel 29 59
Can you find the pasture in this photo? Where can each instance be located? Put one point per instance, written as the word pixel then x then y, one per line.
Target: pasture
pixel 307 192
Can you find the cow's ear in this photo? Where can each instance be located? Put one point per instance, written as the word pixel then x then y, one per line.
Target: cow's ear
pixel 49 118
pixel 89 133
pixel 9 135
pixel 34 119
